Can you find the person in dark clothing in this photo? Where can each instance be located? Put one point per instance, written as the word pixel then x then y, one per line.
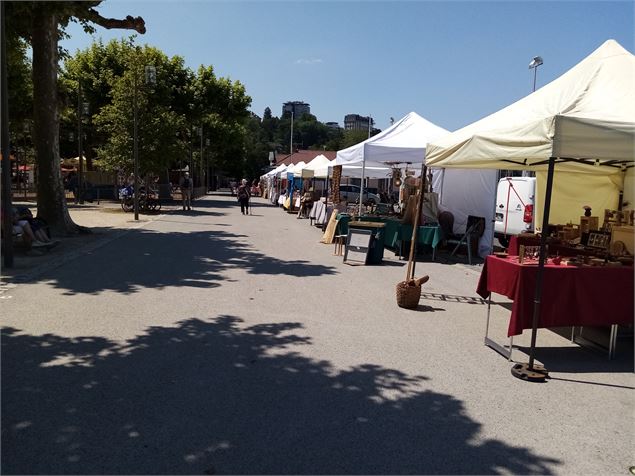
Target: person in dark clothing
pixel 243 197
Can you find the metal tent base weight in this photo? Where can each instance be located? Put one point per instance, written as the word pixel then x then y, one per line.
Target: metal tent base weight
pixel 536 374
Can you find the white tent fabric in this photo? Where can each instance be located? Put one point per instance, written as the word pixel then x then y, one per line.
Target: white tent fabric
pixel 283 173
pixel 319 163
pixel 279 169
pixel 355 171
pixel 588 112
pixel 297 169
pixel 404 141
pixel 465 193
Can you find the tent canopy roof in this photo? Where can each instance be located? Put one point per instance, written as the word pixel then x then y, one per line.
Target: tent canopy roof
pixel 587 114
pixel 405 141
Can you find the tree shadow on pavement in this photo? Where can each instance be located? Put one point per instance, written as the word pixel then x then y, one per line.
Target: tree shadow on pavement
pixel 147 259
pixel 211 397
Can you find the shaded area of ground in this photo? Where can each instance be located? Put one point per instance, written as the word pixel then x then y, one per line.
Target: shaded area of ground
pixel 212 397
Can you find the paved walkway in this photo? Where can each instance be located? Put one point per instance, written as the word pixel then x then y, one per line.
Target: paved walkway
pixel 208 342
pixel 106 220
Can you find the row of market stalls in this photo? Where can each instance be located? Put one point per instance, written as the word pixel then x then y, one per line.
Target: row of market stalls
pixel 577 135
pixel 585 119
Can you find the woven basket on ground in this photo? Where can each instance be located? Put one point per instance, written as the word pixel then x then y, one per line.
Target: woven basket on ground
pixel 408 294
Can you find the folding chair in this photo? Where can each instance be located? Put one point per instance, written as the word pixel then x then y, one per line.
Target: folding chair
pixel 474 230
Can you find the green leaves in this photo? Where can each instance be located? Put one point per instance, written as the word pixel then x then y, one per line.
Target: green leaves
pixel 169 112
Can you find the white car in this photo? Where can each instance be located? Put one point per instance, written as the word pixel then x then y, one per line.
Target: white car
pixel 350 193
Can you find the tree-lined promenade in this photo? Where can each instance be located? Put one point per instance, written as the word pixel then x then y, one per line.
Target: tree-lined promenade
pixel 185 117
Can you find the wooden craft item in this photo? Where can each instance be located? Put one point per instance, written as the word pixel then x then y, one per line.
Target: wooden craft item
pixel 329 233
pixel 521 253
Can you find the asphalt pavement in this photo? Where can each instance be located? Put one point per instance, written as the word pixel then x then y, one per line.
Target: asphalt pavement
pixel 208 342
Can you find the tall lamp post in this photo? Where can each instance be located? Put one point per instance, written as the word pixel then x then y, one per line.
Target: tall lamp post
pixel 361 188
pixel 207 167
pixel 200 135
pixel 291 143
pixel 82 110
pixel 535 62
pixel 150 78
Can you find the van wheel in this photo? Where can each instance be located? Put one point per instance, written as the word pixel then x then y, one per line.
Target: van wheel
pixel 504 241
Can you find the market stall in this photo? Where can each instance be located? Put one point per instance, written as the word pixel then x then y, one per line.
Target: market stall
pixel 581 123
pixel 403 145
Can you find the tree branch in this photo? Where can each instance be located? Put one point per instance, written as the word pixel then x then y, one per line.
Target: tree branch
pixel 129 23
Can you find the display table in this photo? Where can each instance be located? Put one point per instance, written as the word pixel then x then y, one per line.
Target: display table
pixel 426 235
pixel 395 233
pixel 571 296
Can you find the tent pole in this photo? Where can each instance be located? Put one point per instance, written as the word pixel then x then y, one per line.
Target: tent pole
pixel 491 244
pixel 361 188
pixel 535 372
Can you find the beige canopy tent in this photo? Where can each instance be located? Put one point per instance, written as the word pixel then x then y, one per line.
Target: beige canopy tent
pixel 585 119
pixel 582 124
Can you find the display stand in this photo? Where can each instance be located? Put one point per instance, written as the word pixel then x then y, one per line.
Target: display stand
pixel 358 243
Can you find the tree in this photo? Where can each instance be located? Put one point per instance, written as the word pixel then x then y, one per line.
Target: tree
pixel 353 137
pixel 223 110
pixel 40 24
pixel 160 112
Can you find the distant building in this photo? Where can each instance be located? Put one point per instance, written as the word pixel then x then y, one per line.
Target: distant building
pixel 333 125
pixel 354 122
pixel 297 108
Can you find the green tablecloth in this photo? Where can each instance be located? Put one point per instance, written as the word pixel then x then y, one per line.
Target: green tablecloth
pixel 396 232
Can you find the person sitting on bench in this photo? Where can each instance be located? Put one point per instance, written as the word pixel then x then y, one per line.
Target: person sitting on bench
pixel 36 227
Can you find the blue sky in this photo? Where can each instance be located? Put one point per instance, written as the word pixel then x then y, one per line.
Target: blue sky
pixel 452 62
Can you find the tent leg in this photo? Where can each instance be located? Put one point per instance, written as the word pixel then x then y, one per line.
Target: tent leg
pixel 532 372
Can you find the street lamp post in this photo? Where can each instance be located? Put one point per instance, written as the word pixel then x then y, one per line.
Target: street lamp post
pixel 200 134
pixel 150 78
pixel 207 167
pixel 291 143
pixel 82 109
pixel 25 175
pixel 361 188
pixel 535 62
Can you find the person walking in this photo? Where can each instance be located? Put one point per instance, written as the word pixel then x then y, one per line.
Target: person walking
pixel 186 191
pixel 243 197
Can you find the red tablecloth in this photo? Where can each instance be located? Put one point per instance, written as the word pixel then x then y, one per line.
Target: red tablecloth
pixel 534 240
pixel 571 296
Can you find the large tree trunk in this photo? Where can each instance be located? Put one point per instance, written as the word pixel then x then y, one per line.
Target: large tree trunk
pixel 51 201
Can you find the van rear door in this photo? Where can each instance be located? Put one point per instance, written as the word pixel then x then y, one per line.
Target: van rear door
pixel 514 205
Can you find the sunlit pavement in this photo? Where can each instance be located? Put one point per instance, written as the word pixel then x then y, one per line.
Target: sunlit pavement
pixel 208 342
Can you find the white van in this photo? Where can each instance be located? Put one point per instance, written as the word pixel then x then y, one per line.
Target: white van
pixel 515 204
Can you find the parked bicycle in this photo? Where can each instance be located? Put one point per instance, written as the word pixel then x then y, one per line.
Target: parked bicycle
pixel 148 202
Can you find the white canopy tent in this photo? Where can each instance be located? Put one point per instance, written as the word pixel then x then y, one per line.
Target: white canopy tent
pixel 319 163
pixel 585 119
pixel 278 169
pixel 582 124
pixel 297 169
pixel 405 141
pixel 465 192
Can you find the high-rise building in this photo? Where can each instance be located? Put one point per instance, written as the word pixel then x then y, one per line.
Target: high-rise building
pixel 297 107
pixel 333 125
pixel 353 122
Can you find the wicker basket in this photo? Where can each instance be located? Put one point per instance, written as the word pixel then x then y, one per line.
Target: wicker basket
pixel 408 294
